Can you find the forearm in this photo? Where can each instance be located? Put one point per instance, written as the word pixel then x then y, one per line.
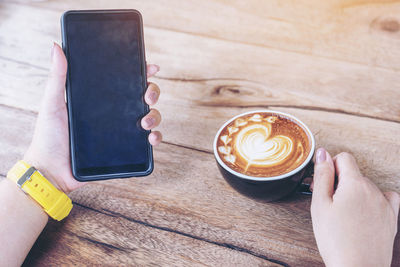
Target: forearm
pixel 21 222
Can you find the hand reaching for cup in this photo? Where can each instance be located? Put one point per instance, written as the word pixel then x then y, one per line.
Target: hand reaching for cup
pixel 354 225
pixel 49 149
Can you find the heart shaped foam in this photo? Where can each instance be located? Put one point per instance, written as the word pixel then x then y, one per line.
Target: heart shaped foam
pixel 253 143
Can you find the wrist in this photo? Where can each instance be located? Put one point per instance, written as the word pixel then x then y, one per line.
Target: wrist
pixel 32 182
pixel 22 220
pixel 17 200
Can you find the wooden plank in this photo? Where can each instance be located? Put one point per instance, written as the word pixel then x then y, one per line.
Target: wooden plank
pixel 180 128
pixel 15 135
pixel 97 238
pixel 180 196
pixel 217 101
pixel 265 76
pixel 22 86
pixel 360 31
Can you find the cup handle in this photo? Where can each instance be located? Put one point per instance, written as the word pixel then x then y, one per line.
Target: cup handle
pixel 304 187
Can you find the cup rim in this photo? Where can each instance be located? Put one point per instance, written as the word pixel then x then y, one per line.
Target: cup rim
pixel 271 178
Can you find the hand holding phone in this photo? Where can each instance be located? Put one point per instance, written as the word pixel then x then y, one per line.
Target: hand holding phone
pixel 49 149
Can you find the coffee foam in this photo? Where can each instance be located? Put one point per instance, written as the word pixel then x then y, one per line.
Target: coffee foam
pixel 263 144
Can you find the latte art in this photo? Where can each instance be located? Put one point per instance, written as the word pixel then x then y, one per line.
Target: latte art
pixel 263 145
pixel 254 145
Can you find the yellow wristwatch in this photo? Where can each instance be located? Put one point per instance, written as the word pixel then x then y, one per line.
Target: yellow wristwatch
pixel 54 202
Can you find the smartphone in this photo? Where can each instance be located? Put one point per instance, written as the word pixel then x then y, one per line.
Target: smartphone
pixel 106 82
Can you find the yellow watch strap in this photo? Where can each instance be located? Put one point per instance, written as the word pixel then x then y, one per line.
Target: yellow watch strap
pixel 54 202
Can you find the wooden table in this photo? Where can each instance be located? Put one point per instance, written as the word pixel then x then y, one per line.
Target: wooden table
pixel 335 64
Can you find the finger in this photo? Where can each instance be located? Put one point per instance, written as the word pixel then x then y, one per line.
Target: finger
pixel 152 69
pixel 346 166
pixel 151 120
pixel 324 177
pixel 394 201
pixel 152 94
pixel 312 186
pixel 54 95
pixel 155 138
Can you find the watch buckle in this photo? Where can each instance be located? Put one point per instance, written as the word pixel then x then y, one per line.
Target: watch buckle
pixel 25 177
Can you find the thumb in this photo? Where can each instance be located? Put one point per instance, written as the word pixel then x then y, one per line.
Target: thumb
pixel 394 201
pixel 54 96
pixel 324 177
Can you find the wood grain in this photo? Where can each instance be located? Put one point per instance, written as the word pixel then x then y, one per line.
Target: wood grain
pixel 178 198
pixel 15 135
pixel 99 238
pixel 359 31
pixel 331 63
pixel 269 76
pixel 178 175
pixel 374 142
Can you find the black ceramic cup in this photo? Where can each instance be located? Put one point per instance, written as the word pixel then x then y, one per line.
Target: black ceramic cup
pixel 268 188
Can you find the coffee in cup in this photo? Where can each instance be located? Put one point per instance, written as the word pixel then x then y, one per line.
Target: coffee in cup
pixel 264 154
pixel 263 144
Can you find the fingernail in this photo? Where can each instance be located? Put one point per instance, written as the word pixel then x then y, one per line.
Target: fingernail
pixel 149 122
pixel 155 137
pixel 52 51
pixel 321 155
pixel 153 96
pixel 154 68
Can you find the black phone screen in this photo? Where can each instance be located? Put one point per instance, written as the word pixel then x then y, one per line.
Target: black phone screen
pixel 105 88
